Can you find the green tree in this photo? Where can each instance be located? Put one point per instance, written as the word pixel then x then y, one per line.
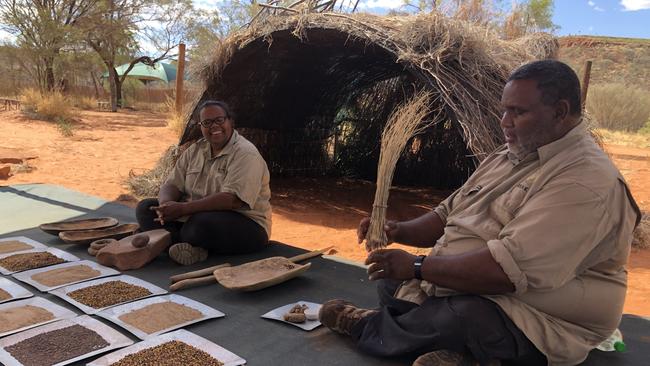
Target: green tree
pixel 43 28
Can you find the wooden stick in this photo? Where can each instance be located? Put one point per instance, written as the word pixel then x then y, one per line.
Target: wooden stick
pixel 278 8
pixel 192 282
pixel 585 84
pixel 199 273
pixel 312 254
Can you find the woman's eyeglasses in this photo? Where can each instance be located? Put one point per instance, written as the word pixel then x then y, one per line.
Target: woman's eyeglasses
pixel 218 120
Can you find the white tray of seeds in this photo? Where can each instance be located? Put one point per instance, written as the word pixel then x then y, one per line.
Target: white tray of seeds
pixel 137 284
pixel 311 311
pixel 156 315
pixel 212 350
pixel 12 291
pixel 67 341
pixel 20 315
pixel 15 244
pixel 58 253
pixel 49 278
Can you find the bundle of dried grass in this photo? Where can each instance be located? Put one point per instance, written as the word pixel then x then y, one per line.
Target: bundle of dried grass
pixel 404 123
pixel 148 183
pixel 642 233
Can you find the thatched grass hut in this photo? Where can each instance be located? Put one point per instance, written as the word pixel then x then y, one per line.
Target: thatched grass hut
pixel 314 90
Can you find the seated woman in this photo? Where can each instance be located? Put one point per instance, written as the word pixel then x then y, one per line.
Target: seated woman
pixel 217 197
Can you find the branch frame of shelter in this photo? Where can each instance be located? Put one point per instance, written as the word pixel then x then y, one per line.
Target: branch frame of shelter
pixel 406 121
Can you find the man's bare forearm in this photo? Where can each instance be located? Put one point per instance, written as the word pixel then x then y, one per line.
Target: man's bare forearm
pixel 420 232
pixel 474 272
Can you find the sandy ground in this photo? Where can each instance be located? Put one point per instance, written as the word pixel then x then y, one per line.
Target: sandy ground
pixel 309 213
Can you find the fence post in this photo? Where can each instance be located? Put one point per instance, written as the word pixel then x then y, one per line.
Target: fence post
pixel 180 71
pixel 585 84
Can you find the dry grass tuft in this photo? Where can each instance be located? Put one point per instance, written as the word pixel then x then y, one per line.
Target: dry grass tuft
pixel 53 107
pixel 619 107
pixel 85 103
pixel 148 183
pixel 642 233
pixel 404 123
pixel 620 138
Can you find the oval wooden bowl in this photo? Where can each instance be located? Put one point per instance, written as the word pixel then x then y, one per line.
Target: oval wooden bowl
pixel 88 236
pixel 259 274
pixel 55 228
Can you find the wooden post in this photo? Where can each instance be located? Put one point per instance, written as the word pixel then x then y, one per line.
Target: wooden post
pixel 180 72
pixel 585 84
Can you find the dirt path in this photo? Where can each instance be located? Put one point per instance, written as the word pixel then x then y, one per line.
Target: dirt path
pixel 307 213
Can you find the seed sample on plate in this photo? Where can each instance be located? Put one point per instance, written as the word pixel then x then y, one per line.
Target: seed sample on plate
pixel 55 346
pixel 108 294
pixel 169 354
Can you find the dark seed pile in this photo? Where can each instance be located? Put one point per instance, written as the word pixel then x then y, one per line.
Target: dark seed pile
pixel 108 293
pixel 25 261
pixel 52 347
pixel 169 354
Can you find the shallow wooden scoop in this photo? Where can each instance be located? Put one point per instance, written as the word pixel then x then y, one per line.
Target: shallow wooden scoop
pixel 264 273
pixel 209 275
pixel 89 236
pixel 55 228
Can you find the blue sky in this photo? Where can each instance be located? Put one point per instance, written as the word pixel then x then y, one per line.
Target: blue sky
pixel 615 18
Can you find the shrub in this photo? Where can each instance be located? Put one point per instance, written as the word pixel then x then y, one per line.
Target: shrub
pixel 619 107
pixel 53 107
pixel 87 103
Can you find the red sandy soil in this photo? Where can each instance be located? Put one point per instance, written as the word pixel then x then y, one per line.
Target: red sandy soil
pixel 308 213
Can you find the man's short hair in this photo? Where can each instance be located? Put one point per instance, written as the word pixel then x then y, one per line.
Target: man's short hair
pixel 555 80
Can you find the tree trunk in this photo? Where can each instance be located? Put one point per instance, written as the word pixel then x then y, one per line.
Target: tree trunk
pixel 49 73
pixel 118 91
pixel 113 81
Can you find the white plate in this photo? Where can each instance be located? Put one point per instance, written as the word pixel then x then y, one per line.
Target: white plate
pixel 27 275
pixel 15 290
pixel 110 335
pixel 24 239
pixel 278 313
pixel 57 311
pixel 57 252
pixel 228 358
pixel 64 291
pixel 114 313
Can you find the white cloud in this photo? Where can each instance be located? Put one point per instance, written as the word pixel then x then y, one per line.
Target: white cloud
pixel 386 4
pixel 598 8
pixel 206 4
pixel 591 3
pixel 6 37
pixel 634 5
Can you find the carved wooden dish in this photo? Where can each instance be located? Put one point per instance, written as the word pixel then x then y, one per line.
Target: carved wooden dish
pixel 259 274
pixel 55 228
pixel 88 236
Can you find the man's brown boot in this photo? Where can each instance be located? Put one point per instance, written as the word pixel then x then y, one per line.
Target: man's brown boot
pixel 448 358
pixel 340 315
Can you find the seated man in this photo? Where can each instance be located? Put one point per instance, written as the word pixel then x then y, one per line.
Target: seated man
pixel 217 197
pixel 528 258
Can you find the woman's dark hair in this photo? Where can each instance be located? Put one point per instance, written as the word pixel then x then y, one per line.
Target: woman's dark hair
pixel 217 103
pixel 556 80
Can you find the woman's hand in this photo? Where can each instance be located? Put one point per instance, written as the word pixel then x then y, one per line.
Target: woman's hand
pixel 169 211
pixel 395 264
pixel 390 227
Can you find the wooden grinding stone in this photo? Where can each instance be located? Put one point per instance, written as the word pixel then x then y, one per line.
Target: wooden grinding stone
pixel 259 274
pixel 124 256
pixel 88 236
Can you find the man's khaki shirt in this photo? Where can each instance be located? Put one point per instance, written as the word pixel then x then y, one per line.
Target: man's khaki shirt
pixel 560 224
pixel 238 169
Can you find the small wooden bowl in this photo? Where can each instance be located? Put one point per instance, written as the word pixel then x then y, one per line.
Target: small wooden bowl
pixel 88 236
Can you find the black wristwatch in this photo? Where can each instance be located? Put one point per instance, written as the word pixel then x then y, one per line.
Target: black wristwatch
pixel 417 266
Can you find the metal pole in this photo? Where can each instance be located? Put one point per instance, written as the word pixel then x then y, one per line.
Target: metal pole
pixel 585 84
pixel 180 71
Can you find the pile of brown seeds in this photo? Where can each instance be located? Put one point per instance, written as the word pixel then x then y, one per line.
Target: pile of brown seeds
pixel 4 295
pixel 25 261
pixel 52 347
pixel 169 354
pixel 108 293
